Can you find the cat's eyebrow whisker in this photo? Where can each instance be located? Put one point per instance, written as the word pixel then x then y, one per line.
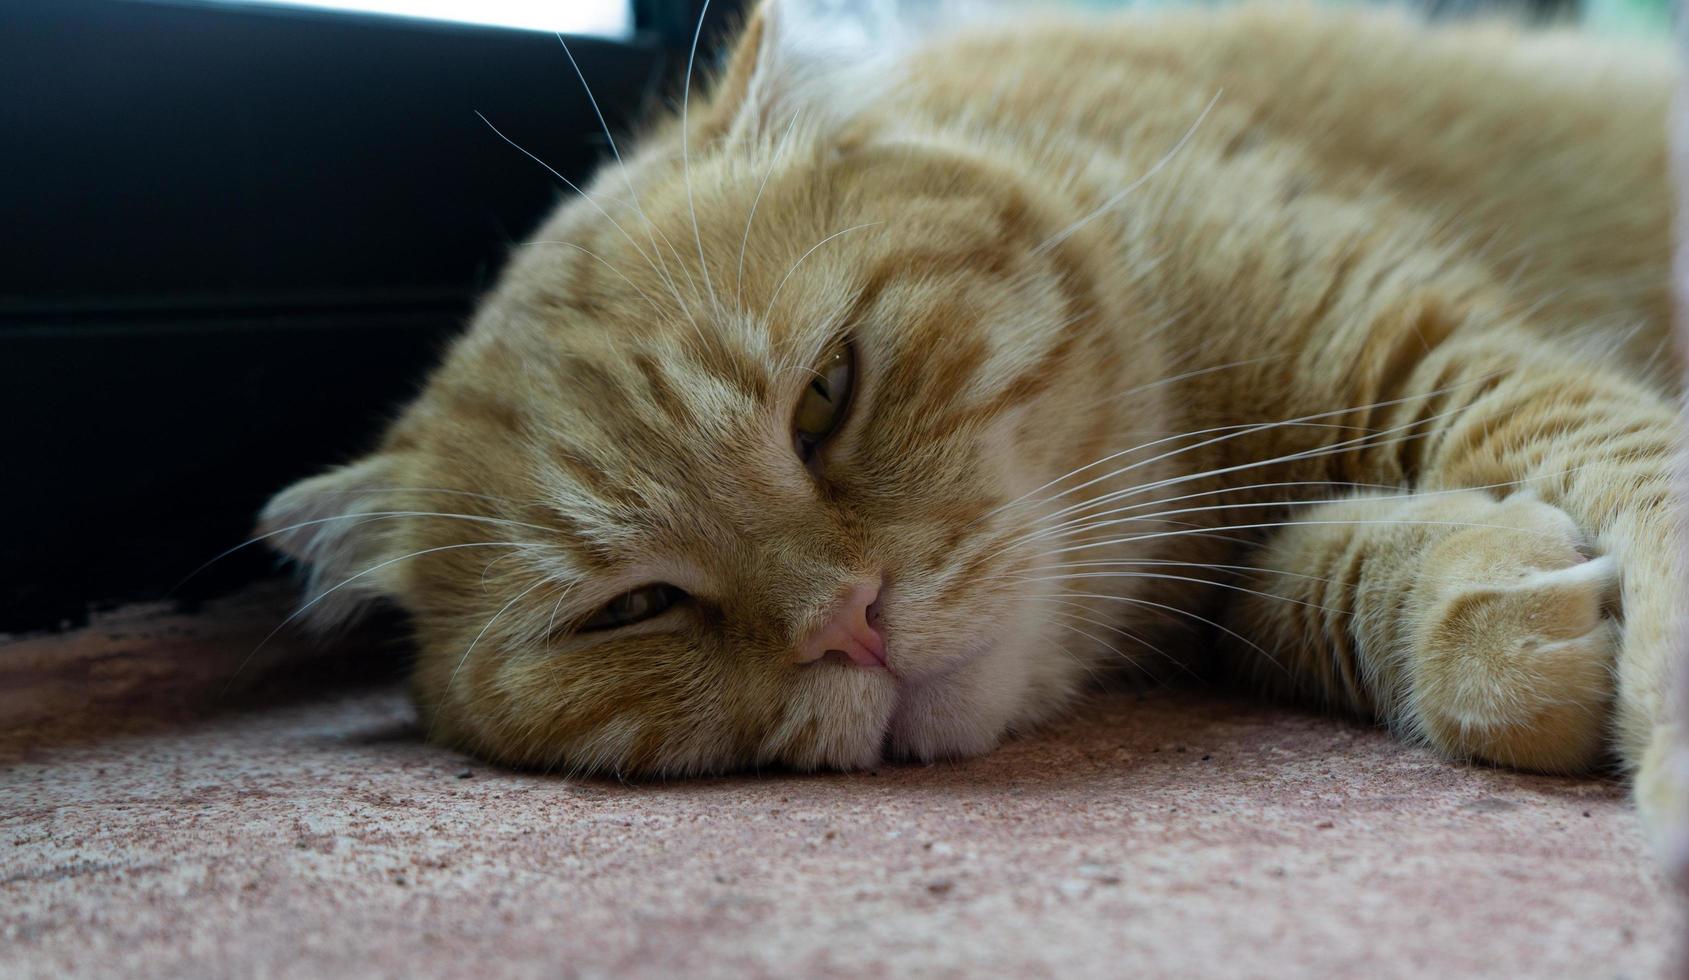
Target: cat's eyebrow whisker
pixel 551 624
pixel 774 158
pixel 362 515
pixel 374 490
pixel 769 309
pixel 1065 233
pixel 621 165
pixel 582 248
pixel 502 610
pixel 597 206
pixel 302 610
pixel 1175 379
pixel 685 153
pixel 472 644
pixel 488 567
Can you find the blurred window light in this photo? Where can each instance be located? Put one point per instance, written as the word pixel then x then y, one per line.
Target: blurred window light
pixel 600 18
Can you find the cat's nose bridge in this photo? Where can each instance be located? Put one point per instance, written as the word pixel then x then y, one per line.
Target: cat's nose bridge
pixel 850 633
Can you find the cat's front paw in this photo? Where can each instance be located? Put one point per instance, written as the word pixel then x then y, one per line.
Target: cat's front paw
pixel 1662 795
pixel 1513 637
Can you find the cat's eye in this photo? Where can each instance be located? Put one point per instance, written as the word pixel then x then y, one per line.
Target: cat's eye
pixel 634 606
pixel 825 399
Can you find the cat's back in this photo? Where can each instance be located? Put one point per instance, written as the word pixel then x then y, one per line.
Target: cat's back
pixel 1540 151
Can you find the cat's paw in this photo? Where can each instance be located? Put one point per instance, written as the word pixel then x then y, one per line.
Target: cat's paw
pixel 1513 637
pixel 1662 795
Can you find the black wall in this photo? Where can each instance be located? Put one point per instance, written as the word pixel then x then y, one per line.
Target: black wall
pixel 230 242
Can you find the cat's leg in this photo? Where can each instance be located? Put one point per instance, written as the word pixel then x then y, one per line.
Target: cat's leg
pixel 1486 627
pixel 1538 622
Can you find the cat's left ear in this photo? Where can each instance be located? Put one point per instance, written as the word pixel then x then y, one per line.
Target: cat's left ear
pixel 333 526
pixel 823 59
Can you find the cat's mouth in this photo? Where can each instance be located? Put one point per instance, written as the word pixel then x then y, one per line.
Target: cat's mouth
pixel 932 717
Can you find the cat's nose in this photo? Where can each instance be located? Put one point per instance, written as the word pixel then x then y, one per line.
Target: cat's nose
pixel 852 632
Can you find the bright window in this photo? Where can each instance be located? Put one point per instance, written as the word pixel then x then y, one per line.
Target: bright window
pixel 604 18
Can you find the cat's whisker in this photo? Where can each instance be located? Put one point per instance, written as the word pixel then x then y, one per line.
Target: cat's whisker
pixel 1224 569
pixel 661 272
pixel 621 166
pixel 1372 440
pixel 1243 488
pixel 1092 523
pixel 1295 523
pixel 1399 493
pixel 773 160
pixel 1175 379
pixel 488 567
pixel 1137 601
pixel 1228 432
pixel 472 644
pixel 1100 643
pixel 685 153
pixel 768 311
pixel 1041 525
pixel 1065 233
pixel 607 265
pixel 371 515
pixel 366 491
pixel 1160 576
pixel 1175 661
pixel 551 623
pixel 584 196
pixel 319 597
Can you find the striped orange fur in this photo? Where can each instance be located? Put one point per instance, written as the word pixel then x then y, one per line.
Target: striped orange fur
pixel 1321 348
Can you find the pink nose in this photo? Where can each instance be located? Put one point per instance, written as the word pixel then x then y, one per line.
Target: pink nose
pixel 852 631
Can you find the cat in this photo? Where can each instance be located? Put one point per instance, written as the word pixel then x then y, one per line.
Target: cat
pixel 908 380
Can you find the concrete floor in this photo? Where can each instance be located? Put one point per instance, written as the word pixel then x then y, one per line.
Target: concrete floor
pixel 1179 834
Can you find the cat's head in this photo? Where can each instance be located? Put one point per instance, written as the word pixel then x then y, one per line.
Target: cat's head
pixel 736 466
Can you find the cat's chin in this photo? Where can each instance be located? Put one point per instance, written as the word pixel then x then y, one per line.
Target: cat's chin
pixel 964 710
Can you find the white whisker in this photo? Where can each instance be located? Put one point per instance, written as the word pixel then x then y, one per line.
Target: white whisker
pixel 1062 236
pixel 769 310
pixel 472 644
pixel 362 515
pixel 779 148
pixel 302 610
pixel 685 154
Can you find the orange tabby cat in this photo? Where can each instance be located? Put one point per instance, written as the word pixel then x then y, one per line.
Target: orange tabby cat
pixel 887 395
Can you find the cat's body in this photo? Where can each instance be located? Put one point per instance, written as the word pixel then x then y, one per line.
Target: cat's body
pixel 1126 299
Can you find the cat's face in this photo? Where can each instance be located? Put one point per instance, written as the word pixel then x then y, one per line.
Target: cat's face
pixel 746 510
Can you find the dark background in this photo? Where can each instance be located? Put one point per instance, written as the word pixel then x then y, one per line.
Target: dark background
pixel 233 241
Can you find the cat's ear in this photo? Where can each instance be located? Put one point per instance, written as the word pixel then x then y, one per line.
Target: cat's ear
pixel 328 525
pixel 823 59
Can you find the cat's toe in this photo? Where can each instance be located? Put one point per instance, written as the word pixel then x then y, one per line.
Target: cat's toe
pixel 1662 795
pixel 1515 641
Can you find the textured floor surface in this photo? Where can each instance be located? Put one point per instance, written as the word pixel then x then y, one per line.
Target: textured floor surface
pixel 1172 835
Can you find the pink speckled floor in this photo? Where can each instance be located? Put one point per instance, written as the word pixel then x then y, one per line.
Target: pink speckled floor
pixel 1182 834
